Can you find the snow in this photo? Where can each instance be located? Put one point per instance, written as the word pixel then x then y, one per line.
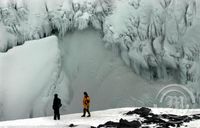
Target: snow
pixel 93 69
pixel 29 79
pixel 97 118
pixel 152 30
pixel 158 40
pixel 109 82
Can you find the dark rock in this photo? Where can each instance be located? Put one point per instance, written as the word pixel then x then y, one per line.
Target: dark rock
pixel 143 112
pixel 196 117
pixel 72 125
pixel 160 120
pixel 151 118
pixel 121 124
pixel 133 124
pixel 109 124
pixel 176 119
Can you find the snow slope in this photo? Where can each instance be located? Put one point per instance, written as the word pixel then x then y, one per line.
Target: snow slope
pixel 98 117
pixel 29 79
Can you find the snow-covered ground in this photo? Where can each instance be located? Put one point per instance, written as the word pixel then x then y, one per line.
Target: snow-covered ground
pixel 98 117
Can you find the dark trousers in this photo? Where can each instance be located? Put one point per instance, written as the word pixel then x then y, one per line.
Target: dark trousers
pixel 56 114
pixel 86 110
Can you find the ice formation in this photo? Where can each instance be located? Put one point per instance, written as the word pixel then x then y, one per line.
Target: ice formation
pixel 29 79
pixel 157 39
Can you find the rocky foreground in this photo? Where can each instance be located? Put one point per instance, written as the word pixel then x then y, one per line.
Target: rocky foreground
pixel 116 118
pixel 148 118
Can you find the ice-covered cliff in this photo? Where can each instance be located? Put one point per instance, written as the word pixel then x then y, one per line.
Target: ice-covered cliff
pixel 29 79
pixel 157 39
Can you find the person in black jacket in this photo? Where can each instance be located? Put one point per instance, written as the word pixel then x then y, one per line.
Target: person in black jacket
pixel 56 106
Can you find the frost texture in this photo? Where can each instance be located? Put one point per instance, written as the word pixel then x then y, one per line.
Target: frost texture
pixel 158 39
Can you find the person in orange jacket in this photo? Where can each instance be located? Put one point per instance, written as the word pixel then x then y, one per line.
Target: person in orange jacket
pixel 86 105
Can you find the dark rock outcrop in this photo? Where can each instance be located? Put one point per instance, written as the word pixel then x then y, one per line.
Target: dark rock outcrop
pixel 121 124
pixel 143 112
pixel 162 120
pixel 147 118
pixel 72 125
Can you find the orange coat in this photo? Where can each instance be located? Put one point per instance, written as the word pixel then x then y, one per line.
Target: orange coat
pixel 86 102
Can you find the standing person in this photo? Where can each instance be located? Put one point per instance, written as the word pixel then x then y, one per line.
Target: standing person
pixel 56 106
pixel 86 105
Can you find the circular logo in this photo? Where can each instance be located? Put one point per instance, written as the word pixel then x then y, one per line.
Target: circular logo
pixel 177 98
